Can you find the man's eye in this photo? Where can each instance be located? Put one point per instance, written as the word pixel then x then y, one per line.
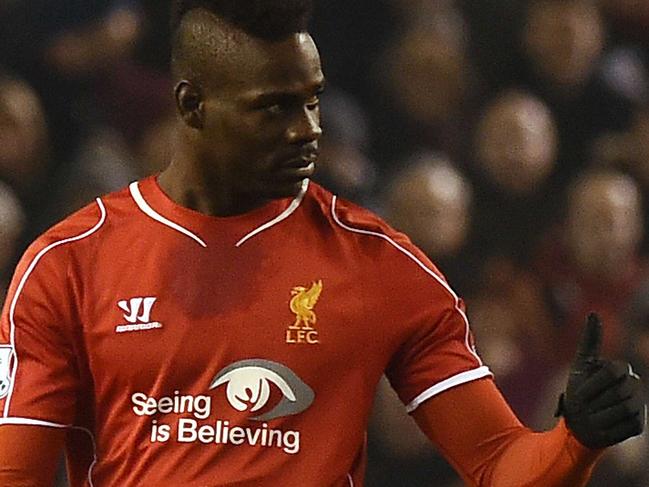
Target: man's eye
pixel 313 104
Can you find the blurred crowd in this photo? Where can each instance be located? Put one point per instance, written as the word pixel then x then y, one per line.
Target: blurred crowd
pixel 508 138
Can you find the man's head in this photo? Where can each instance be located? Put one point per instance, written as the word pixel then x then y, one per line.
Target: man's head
pixel 248 76
pixel 23 133
pixel 431 202
pixel 12 224
pixel 604 224
pixel 429 71
pixel 564 39
pixel 516 142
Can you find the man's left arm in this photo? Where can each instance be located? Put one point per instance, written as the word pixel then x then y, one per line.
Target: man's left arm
pixel 477 432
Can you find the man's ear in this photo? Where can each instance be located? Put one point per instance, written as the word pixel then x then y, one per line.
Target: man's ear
pixel 189 101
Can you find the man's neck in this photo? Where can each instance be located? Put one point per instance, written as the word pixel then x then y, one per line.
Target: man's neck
pixel 190 189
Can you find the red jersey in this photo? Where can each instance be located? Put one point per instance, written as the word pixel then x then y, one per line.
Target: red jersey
pixel 185 349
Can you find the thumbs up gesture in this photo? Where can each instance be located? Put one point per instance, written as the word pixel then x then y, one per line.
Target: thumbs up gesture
pixel 603 403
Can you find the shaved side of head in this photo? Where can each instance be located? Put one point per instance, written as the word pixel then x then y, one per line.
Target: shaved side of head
pixel 201 42
pixel 207 31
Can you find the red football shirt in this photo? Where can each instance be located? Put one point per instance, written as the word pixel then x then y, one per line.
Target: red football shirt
pixel 185 349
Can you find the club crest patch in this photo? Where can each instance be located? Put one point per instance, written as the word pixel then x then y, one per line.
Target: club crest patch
pixel 302 304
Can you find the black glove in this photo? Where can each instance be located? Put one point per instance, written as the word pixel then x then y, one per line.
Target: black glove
pixel 603 403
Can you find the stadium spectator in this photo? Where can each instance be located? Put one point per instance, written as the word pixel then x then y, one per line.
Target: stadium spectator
pixel 592 261
pixel 515 150
pixel 513 324
pixel 563 44
pixel 629 151
pixel 345 164
pixel 428 86
pixel 103 163
pixel 12 226
pixel 65 49
pixel 24 142
pixel 431 202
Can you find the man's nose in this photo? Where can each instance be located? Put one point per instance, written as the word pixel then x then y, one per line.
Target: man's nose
pixel 306 127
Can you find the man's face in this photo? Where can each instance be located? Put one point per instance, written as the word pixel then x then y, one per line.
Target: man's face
pixel 604 225
pixel 23 132
pixel 431 204
pixel 429 75
pixel 564 40
pixel 517 143
pixel 262 117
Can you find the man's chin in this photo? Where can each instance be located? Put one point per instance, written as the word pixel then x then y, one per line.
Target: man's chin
pixel 285 189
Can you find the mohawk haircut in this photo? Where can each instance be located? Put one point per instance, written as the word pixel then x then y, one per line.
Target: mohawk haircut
pixel 266 19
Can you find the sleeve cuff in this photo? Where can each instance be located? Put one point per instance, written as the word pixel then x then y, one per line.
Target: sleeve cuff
pixel 456 380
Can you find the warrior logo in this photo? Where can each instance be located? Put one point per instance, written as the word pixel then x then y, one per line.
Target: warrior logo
pixel 248 388
pixel 137 312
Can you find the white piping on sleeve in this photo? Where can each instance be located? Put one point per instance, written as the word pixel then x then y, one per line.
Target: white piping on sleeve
pixel 281 217
pixel 21 285
pixel 456 380
pixel 350 480
pixel 95 454
pixel 146 208
pixel 420 264
pixel 31 422
pixel 38 422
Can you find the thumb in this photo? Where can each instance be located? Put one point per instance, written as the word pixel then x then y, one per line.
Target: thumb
pixel 591 342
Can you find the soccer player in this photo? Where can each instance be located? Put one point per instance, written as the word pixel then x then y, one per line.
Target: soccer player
pixel 227 322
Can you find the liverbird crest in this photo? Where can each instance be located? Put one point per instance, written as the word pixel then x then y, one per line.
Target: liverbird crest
pixel 302 304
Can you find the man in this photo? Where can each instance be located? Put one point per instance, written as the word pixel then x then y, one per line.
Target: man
pixel 226 323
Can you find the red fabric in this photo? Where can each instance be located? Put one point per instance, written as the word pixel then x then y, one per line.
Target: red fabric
pixel 477 432
pixel 29 455
pixel 198 314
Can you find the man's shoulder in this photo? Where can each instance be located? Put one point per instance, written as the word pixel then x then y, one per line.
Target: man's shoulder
pixel 347 215
pixel 374 245
pixel 87 223
pixel 362 227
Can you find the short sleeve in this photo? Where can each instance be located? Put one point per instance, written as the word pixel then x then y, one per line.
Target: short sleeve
pixel 439 350
pixel 38 372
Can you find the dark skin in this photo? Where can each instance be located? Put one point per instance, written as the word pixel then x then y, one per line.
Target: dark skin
pixel 249 126
pixel 250 136
pixel 245 137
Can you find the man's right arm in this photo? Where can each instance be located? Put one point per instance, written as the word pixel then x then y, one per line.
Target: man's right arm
pixel 29 455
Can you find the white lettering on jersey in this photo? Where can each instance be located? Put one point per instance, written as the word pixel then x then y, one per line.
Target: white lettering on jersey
pixel 247 385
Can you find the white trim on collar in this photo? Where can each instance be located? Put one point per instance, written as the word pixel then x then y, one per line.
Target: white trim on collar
pixel 295 204
pixel 134 188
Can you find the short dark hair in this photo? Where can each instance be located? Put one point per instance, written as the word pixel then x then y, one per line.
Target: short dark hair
pixel 266 19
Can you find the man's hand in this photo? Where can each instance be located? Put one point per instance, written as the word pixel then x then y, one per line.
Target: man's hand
pixel 603 403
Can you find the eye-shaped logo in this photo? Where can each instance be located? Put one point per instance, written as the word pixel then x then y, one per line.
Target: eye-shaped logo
pixel 5 360
pixel 248 388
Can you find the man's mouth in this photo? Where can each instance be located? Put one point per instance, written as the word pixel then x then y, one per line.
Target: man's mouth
pixel 300 167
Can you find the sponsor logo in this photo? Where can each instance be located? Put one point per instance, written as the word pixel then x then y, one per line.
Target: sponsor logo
pixel 137 313
pixel 6 352
pixel 302 303
pixel 247 388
